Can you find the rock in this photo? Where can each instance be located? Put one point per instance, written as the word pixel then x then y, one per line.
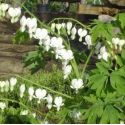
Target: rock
pixel 118 2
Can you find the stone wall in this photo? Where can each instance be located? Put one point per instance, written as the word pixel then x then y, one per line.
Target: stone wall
pixel 11 54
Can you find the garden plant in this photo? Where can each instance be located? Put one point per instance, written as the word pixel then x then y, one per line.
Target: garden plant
pixel 86 86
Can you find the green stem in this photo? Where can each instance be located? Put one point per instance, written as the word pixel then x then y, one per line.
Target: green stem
pixel 52 91
pixel 87 61
pixel 71 19
pixel 29 108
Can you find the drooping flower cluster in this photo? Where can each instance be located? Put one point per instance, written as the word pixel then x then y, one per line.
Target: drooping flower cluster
pixel 55 44
pixel 118 43
pixel 48 42
pixel 5 86
pixel 33 93
pixel 72 31
pixel 8 11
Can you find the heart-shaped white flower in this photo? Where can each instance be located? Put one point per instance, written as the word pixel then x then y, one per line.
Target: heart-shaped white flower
pixel 56 43
pixel 69 26
pixel 22 90
pixel 88 41
pixel 32 25
pixel 103 54
pixel 53 26
pixel 40 94
pixel 67 70
pixel 3 9
pixel 82 33
pixel 24 112
pixel 2 105
pixel 13 82
pixel 41 33
pixel 63 25
pixel 14 13
pixel 58 102
pixel 58 27
pixel 23 23
pixel 31 93
pixel 77 84
pixel 49 101
pixel 6 86
pixel 73 33
pixel 2 85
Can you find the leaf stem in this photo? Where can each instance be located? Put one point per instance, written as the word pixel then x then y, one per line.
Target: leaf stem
pixel 20 103
pixel 52 91
pixel 87 61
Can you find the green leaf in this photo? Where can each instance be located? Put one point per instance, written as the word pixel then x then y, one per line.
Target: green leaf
pixel 92 99
pixel 118 81
pixel 94 112
pixel 121 18
pixel 101 30
pixel 110 115
pixel 119 61
pixel 20 37
pixel 102 67
pixel 97 82
pixel 123 54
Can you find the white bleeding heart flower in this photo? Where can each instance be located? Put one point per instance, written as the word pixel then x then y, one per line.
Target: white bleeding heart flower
pixel 103 54
pixel 63 25
pixel 32 23
pixel 82 33
pixel 73 33
pixel 75 114
pixel 53 26
pixel 58 102
pixel 97 47
pixel 2 105
pixel 6 86
pixel 115 41
pixel 121 44
pixel 118 43
pixel 40 94
pixel 88 41
pixel 69 26
pixel 49 101
pixel 67 70
pixel 14 13
pixel 23 23
pixel 31 93
pixel 22 90
pixel 2 85
pixel 77 84
pixel 13 82
pixel 34 115
pixel 3 9
pixel 24 112
pixel 58 27
pixel 32 26
pixel 46 42
pixel 68 55
pixel 41 33
pixel 65 55
pixel 56 43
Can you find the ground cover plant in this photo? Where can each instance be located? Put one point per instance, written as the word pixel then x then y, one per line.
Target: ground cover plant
pixel 88 86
